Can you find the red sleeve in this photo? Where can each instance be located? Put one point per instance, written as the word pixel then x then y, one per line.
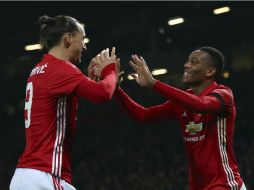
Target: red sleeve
pixel 152 114
pixel 63 78
pixel 226 98
pixel 101 91
pixel 189 101
pixel 68 79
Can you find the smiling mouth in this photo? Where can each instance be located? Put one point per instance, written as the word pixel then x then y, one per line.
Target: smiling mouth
pixel 186 74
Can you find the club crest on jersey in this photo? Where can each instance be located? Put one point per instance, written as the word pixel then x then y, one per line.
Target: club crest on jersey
pixel 192 127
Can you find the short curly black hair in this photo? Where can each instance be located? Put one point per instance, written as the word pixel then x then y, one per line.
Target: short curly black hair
pixel 218 59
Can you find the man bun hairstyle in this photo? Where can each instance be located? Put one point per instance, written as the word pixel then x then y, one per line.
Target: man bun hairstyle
pixel 217 58
pixel 52 29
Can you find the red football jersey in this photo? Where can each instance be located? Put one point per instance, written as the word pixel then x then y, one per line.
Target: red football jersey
pixel 52 92
pixel 207 123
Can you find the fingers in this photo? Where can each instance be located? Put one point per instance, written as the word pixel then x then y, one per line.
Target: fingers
pixel 120 77
pixel 104 58
pixel 121 73
pixel 104 54
pixel 113 53
pixel 118 65
pixel 134 66
pixel 142 59
pixel 136 60
pixel 97 59
pixel 92 63
pixel 140 63
pixel 144 64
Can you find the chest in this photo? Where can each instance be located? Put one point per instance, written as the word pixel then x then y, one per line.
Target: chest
pixel 197 125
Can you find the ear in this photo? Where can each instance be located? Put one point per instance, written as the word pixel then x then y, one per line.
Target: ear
pixel 67 38
pixel 210 71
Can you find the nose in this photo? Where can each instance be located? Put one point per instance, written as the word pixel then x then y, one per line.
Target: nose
pixel 187 64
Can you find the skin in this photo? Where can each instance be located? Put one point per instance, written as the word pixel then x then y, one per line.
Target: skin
pixel 72 46
pixel 198 71
pixel 78 46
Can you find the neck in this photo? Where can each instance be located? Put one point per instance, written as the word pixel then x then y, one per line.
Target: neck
pixel 199 88
pixel 60 53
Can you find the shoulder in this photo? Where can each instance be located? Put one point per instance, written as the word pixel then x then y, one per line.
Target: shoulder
pixel 62 72
pixel 68 65
pixel 225 92
pixel 65 68
pixel 223 89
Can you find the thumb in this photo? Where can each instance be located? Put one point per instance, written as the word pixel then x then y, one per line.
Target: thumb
pixel 121 73
pixel 120 76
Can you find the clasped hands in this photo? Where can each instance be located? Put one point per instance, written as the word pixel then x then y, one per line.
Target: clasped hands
pixel 142 76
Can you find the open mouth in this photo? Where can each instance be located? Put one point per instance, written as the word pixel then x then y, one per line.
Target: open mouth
pixel 186 74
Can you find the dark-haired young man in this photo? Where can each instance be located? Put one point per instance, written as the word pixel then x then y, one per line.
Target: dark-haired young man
pixel 52 93
pixel 206 113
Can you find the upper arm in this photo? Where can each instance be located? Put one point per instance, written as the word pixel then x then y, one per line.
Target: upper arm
pixel 64 80
pixel 225 97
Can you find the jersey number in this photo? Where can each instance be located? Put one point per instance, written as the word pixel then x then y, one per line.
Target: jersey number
pixel 28 104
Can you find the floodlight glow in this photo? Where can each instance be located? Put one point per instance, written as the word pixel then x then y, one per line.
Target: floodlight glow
pixel 226 74
pixel 175 21
pixel 130 77
pixel 86 40
pixel 159 71
pixel 33 47
pixel 221 10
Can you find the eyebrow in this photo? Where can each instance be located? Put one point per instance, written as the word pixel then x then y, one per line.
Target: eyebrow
pixel 190 57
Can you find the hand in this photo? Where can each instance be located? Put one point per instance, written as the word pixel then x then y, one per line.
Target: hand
pixel 90 69
pixel 103 59
pixel 144 77
pixel 118 74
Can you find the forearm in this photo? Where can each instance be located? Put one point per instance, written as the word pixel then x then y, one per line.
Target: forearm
pixel 134 109
pixel 188 101
pixel 153 114
pixel 101 91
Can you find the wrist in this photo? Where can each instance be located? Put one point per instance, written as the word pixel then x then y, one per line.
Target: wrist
pixel 153 81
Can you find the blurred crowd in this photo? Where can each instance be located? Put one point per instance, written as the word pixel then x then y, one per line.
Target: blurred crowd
pixel 111 151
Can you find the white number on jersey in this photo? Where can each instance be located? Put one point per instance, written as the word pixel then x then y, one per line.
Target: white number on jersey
pixel 28 104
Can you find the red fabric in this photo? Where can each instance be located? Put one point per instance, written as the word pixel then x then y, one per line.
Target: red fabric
pixel 152 114
pixel 54 87
pixel 197 104
pixel 98 92
pixel 207 124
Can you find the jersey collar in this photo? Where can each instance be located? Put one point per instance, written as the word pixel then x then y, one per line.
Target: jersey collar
pixel 207 90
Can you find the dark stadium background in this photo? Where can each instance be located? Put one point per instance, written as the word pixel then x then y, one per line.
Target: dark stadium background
pixel 111 150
